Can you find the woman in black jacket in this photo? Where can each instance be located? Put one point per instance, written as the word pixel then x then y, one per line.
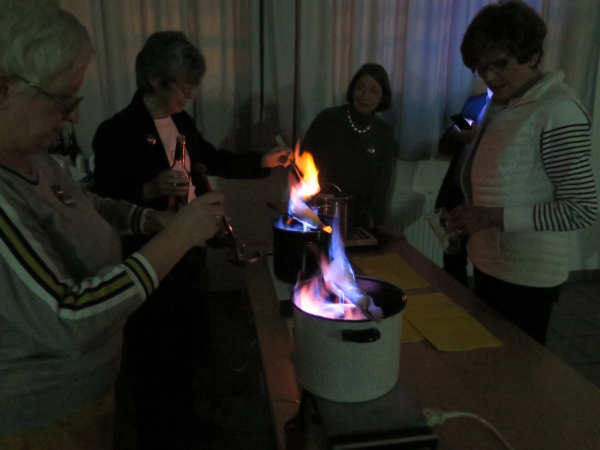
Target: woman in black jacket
pixel 133 151
pixel 355 150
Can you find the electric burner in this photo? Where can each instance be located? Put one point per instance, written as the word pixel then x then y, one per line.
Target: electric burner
pixel 393 421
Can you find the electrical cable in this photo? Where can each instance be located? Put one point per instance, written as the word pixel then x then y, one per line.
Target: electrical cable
pixel 436 416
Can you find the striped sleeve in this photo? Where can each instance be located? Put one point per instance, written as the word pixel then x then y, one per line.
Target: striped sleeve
pixel 135 221
pixel 125 217
pixel 566 155
pixel 33 269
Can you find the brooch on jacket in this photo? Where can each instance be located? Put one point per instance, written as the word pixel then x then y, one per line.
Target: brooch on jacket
pixel 60 193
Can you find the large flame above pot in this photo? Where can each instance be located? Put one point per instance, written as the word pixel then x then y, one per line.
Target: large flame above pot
pixel 333 292
pixel 304 184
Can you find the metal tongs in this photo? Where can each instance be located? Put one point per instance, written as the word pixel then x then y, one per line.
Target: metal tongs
pixel 292 160
pixel 224 236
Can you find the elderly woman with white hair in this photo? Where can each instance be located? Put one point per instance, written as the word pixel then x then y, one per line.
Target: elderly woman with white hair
pixel 65 290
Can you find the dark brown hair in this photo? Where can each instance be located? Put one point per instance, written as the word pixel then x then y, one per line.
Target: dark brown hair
pixel 379 73
pixel 510 26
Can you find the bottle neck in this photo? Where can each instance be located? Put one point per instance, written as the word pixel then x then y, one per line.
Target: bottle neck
pixel 180 151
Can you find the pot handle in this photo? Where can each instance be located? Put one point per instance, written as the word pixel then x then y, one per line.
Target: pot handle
pixel 361 336
pixel 335 186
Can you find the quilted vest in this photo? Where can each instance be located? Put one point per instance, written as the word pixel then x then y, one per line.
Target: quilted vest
pixel 507 171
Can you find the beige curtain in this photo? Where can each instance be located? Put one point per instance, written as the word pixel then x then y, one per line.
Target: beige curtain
pixel 416 41
pixel 258 86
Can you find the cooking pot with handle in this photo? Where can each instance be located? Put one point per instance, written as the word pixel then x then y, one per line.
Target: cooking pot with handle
pixel 297 252
pixel 351 360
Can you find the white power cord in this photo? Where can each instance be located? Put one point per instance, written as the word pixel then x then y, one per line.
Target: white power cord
pixel 436 416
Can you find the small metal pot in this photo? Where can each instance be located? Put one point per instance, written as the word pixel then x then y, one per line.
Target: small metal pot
pixel 334 202
pixel 351 361
pixel 297 252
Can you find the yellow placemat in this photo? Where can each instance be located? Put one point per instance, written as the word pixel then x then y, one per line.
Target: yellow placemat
pixel 391 268
pixel 409 333
pixel 446 325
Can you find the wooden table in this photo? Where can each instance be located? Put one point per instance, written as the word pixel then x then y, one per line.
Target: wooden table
pixel 534 400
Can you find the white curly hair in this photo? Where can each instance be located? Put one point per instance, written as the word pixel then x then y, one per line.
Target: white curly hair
pixel 39 40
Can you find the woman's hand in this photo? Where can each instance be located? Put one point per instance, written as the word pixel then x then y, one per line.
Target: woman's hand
pixel 471 219
pixel 466 136
pixel 167 183
pixel 198 220
pixel 277 156
pixel 192 225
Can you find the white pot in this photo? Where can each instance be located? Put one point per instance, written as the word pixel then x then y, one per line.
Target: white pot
pixel 351 361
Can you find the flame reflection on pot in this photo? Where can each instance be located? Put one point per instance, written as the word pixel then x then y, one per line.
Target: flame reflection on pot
pixel 333 292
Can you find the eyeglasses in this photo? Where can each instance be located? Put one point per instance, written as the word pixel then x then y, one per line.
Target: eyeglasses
pixel 66 106
pixel 188 90
pixel 496 66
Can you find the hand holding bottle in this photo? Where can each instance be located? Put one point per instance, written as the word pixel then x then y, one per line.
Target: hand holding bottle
pixel 174 182
pixel 171 182
pixel 168 183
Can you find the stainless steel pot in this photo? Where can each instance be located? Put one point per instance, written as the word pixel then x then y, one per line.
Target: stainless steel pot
pixel 351 361
pixel 331 202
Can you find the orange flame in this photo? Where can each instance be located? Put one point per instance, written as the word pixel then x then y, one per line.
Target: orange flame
pixel 305 188
pixel 309 184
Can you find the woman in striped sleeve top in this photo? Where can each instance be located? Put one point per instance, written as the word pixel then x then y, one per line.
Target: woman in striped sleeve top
pixel 64 291
pixel 528 179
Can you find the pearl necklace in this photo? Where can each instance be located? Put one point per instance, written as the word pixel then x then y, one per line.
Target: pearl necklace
pixel 354 126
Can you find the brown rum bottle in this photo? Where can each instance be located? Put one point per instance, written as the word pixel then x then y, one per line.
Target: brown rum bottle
pixel 177 202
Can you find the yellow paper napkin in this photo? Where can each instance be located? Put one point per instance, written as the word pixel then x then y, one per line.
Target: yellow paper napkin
pixel 409 333
pixel 446 325
pixel 391 268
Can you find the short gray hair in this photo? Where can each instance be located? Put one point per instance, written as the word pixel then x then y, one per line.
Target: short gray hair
pixel 39 40
pixel 168 57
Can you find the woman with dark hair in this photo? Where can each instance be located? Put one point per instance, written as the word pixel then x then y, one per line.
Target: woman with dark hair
pixel 527 179
pixel 133 150
pixel 354 149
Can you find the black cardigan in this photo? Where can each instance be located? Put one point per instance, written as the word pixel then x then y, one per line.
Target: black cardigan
pixel 129 153
pixel 361 164
pixel 126 158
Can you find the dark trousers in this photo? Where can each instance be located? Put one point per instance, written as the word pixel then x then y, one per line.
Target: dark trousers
pixel 161 340
pixel 449 197
pixel 456 265
pixel 527 307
